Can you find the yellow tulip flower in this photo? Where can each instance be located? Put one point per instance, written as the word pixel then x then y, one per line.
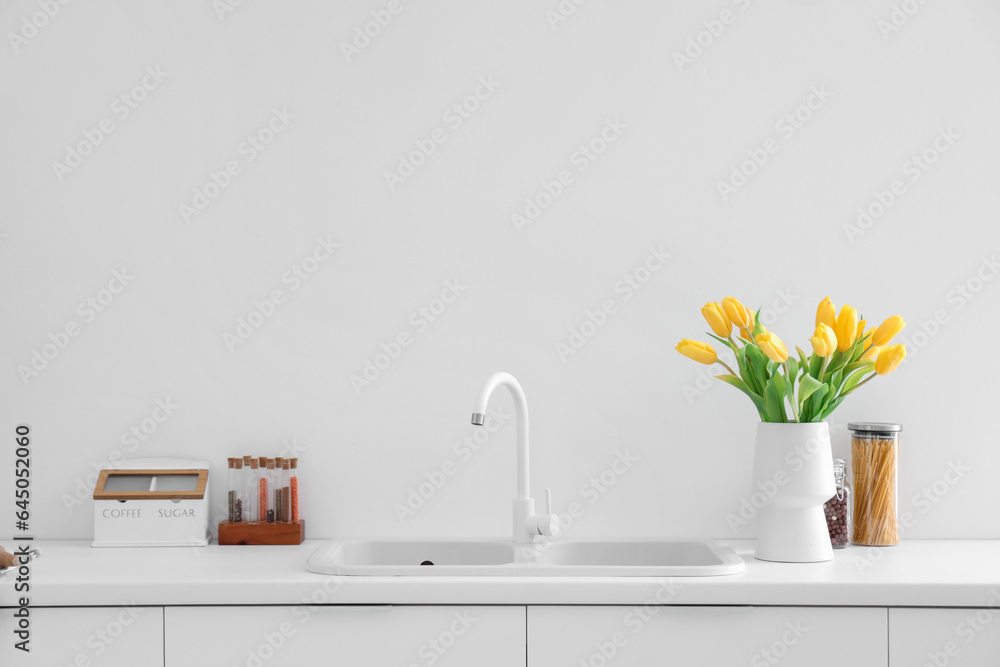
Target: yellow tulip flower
pixel 703 353
pixel 888 330
pixel 872 352
pixel 716 317
pixel 824 340
pixel 772 347
pixel 736 312
pixel 889 358
pixel 826 313
pixel 846 327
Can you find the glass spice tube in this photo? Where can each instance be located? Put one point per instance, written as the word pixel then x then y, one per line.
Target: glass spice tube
pixel 238 492
pixel 247 490
pixel 875 466
pixel 260 500
pixel 294 483
pixel 286 491
pixel 232 489
pixel 279 499
pixel 838 508
pixel 265 484
pixel 272 486
pixel 253 489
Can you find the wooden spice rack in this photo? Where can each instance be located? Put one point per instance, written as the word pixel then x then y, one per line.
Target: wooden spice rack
pixel 257 532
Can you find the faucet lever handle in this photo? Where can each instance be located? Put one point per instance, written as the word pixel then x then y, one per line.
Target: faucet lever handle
pixel 548 501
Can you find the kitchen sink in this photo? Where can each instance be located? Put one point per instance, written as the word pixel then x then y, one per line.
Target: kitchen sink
pixel 583 558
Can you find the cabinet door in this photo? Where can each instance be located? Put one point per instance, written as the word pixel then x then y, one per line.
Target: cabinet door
pixel 86 637
pixel 348 635
pixel 668 636
pixel 939 637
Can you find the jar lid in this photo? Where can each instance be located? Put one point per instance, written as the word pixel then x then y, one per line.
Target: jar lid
pixel 875 427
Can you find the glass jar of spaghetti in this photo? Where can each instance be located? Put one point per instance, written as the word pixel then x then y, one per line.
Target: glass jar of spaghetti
pixel 875 468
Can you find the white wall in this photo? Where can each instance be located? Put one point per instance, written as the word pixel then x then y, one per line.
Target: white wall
pixel 781 234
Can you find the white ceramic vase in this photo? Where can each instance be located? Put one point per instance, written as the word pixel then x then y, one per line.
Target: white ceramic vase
pixel 793 468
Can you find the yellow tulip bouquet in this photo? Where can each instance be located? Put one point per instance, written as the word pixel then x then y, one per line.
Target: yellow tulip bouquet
pixel 806 388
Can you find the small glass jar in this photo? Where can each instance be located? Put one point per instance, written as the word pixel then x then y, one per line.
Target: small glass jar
pixel 875 469
pixel 838 508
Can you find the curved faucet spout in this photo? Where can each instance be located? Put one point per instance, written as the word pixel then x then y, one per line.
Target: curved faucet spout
pixel 521 417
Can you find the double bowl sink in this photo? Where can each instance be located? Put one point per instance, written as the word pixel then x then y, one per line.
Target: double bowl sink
pixel 584 558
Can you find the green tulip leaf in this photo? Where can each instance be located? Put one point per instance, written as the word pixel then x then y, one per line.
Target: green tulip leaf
pixel 758 401
pixel 815 363
pixel 830 408
pixel 815 402
pixel 836 362
pixel 758 328
pixel 835 380
pixel 757 365
pixel 745 373
pixel 722 340
pixel 793 370
pixel 774 404
pixel 852 381
pixel 868 364
pixel 803 359
pixel 808 387
pixel 859 347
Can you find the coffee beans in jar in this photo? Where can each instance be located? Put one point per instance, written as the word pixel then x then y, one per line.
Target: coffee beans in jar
pixel 838 508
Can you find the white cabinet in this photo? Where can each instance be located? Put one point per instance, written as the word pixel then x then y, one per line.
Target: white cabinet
pixel 755 636
pixel 124 636
pixel 350 635
pixel 940 637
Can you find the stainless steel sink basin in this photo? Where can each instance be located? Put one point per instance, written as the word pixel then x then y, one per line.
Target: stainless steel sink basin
pixel 588 558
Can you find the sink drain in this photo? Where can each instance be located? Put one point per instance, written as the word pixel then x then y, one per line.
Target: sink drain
pixel 427 562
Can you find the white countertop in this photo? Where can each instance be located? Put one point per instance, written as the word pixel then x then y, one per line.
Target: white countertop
pixel 917 573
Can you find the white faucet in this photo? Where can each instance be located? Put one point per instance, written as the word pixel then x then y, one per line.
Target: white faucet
pixel 527 525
